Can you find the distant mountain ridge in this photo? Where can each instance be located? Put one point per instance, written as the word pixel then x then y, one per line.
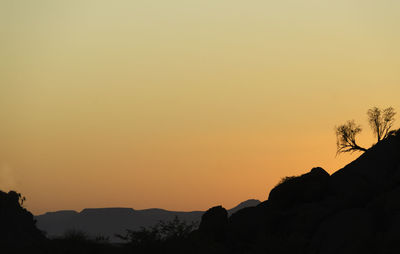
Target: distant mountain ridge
pixel 115 220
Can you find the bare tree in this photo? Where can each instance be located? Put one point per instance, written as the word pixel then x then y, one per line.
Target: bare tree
pixel 346 137
pixel 381 121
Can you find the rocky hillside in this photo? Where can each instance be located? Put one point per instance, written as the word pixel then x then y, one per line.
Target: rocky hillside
pixel 354 210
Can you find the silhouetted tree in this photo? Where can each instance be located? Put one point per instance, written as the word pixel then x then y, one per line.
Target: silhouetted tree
pixel 346 137
pixel 381 121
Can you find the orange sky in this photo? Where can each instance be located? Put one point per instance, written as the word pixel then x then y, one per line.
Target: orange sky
pixel 184 105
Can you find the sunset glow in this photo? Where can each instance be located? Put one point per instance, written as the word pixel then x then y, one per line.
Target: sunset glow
pixel 184 105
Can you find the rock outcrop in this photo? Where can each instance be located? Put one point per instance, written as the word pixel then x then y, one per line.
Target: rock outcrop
pixel 17 225
pixel 214 223
pixel 355 210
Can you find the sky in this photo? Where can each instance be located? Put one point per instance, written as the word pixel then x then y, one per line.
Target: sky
pixel 184 105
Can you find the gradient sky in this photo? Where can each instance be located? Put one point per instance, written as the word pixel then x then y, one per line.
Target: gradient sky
pixel 184 104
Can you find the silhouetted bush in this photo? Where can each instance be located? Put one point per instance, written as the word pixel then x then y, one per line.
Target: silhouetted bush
pixel 285 179
pixel 75 235
pixel 160 236
pixel 78 242
pixel 102 239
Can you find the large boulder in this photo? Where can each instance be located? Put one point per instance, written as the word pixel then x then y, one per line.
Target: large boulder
pixel 309 187
pixel 214 223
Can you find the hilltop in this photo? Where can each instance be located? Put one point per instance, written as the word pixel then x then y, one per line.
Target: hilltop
pixel 354 210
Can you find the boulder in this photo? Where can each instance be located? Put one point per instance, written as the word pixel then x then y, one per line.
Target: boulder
pixel 309 187
pixel 214 223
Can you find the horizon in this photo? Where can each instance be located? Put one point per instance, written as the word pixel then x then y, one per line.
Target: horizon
pixel 183 106
pixel 144 209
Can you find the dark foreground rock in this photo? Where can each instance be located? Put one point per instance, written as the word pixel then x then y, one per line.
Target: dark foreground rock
pixel 17 225
pixel 214 223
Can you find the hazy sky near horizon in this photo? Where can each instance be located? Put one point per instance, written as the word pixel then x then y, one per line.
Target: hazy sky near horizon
pixel 184 104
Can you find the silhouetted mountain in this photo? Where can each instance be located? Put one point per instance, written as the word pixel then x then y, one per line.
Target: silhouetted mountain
pixel 244 204
pixel 110 221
